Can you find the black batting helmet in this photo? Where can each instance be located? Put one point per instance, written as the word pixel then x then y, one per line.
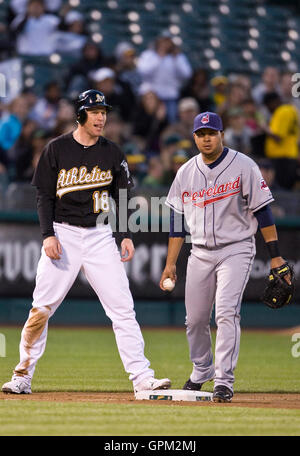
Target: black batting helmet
pixel 89 99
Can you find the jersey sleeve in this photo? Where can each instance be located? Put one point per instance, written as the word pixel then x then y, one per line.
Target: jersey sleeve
pixel 120 192
pixel 255 189
pixel 44 179
pixel 123 178
pixel 174 199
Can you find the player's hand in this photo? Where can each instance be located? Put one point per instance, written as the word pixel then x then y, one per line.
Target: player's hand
pixel 52 247
pixel 127 250
pixel 169 271
pixel 276 263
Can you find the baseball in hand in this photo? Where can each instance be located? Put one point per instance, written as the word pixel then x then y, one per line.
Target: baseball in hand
pixel 168 284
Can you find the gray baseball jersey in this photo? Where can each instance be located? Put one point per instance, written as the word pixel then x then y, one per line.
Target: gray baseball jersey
pixel 218 203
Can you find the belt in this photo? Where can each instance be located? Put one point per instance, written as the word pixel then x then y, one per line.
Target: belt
pixel 78 226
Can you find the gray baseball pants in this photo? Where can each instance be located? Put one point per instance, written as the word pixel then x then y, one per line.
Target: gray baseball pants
pixel 216 276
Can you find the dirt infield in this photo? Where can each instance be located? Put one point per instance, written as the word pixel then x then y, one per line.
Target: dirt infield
pixel 258 400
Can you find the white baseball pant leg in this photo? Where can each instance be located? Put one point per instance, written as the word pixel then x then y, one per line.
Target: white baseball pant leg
pixel 94 250
pixel 106 274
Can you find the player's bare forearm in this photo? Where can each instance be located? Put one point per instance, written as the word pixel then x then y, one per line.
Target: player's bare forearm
pixel 269 233
pixel 174 247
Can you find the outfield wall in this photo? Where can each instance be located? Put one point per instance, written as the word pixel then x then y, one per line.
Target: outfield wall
pixel 20 246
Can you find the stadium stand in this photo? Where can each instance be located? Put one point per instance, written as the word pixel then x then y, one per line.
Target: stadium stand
pixel 223 37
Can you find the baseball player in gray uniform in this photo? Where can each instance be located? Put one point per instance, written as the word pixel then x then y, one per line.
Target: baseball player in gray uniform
pixel 220 198
pixel 76 178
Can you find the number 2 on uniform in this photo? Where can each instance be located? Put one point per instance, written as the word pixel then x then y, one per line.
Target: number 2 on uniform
pixel 101 201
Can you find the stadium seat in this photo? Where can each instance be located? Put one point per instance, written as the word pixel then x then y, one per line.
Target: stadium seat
pixel 20 196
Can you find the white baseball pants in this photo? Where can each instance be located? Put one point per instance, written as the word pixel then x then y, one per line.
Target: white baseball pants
pixel 93 250
pixel 216 276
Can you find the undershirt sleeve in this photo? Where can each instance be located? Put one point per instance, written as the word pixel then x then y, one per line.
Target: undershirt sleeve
pixel 177 228
pixel 44 180
pixel 264 217
pixel 45 210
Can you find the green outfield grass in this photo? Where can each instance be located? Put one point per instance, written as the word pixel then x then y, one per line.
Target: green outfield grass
pixel 88 360
pixel 44 418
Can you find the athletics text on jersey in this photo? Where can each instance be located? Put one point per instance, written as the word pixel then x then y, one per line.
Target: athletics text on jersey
pixel 75 183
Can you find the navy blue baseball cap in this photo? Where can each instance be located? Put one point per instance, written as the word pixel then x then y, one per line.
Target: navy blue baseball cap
pixel 208 120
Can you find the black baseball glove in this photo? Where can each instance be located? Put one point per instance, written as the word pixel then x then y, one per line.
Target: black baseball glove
pixel 279 292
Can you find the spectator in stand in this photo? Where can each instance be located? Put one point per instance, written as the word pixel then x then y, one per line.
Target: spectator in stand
pixel 156 173
pixel 167 69
pixel 26 164
pixel 11 124
pixel 19 6
pixel 35 30
pixel 219 85
pixel 237 135
pixel 178 158
pixel 269 83
pixel 198 88
pixel 125 66
pixel 7 45
pixel 117 93
pixel 286 90
pixel 256 122
pixel 136 162
pixel 282 142
pixel 91 59
pixel 73 36
pixel 30 96
pixel 150 118
pixel 65 119
pixel 253 116
pixel 45 111
pixel 21 151
pixel 243 81
pixel 116 129
pixel 188 108
pixel 235 97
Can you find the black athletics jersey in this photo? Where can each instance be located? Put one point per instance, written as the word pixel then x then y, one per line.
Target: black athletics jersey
pixel 74 182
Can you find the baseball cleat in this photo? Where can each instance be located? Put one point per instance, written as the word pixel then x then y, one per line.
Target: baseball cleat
pixel 189 385
pixel 17 385
pixel 222 394
pixel 152 384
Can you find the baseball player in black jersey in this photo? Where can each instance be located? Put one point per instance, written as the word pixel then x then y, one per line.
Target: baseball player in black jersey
pixel 76 177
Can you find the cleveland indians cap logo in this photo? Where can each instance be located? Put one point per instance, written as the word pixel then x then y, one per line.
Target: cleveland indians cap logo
pixel 205 119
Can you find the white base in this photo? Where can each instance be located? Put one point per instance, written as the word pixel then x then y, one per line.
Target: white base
pixel 173 395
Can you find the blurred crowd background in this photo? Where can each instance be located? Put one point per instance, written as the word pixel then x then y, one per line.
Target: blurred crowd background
pixel 159 63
